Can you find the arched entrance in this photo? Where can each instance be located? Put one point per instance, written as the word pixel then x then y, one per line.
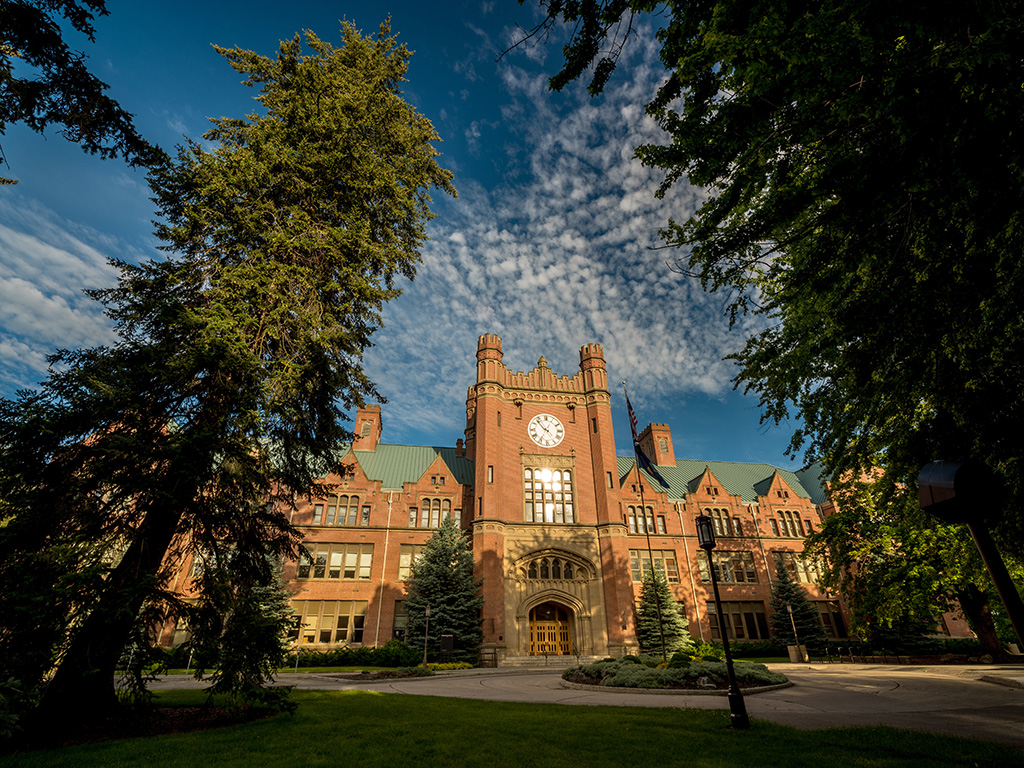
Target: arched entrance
pixel 549 630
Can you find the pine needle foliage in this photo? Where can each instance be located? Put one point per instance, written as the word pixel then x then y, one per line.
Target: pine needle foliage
pixel 787 592
pixel 655 593
pixel 224 396
pixel 442 577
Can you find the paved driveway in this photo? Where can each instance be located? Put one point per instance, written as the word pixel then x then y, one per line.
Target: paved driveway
pixel 952 700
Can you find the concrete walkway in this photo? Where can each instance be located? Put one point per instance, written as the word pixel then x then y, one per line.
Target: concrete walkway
pixel 984 701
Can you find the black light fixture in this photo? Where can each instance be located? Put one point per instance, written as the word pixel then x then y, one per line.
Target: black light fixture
pixel 737 707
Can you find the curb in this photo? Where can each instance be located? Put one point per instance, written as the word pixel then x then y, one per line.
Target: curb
pixel 671 691
pixel 1009 682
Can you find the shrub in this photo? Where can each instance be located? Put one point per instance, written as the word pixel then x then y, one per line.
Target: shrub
pixel 616 674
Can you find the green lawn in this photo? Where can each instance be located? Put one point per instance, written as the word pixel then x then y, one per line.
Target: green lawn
pixel 300 670
pixel 333 728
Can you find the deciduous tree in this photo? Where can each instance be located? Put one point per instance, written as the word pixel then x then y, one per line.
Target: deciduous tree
pixel 865 198
pixel 238 354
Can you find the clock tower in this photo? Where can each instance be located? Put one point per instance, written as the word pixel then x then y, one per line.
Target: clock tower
pixel 548 534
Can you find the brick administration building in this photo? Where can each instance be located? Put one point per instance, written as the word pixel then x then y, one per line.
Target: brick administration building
pixel 555 521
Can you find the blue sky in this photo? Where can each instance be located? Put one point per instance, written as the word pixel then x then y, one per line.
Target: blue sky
pixel 551 243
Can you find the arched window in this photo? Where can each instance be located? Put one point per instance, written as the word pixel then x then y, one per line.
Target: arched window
pixel 554 569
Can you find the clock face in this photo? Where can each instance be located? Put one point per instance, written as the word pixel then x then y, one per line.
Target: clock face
pixel 545 430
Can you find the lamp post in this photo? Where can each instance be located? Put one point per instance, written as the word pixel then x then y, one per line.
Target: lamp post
pixel 737 707
pixel 426 634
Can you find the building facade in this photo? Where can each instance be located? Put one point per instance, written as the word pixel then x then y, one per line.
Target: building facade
pixel 560 536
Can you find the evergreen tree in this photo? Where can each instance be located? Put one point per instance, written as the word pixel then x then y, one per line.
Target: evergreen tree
pixel 787 592
pixel 64 92
pixel 224 397
pixel 654 594
pixel 244 626
pixel 442 577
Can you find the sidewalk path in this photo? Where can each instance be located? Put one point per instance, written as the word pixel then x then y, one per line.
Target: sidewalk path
pixel 976 701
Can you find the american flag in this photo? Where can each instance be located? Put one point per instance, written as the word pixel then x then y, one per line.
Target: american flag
pixel 642 461
pixel 632 418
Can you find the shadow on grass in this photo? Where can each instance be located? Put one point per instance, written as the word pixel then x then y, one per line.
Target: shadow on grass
pixel 387 730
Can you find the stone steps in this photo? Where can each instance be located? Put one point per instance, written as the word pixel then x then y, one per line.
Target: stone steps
pixel 553 661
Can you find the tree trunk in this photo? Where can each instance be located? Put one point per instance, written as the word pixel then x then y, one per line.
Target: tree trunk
pixel 974 604
pixel 84 681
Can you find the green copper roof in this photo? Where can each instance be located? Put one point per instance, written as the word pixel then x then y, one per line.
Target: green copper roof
pixel 748 481
pixel 813 479
pixel 394 465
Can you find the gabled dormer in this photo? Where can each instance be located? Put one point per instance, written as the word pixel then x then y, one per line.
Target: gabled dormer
pixel 707 487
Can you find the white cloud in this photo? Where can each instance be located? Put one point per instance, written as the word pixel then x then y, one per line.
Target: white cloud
pixel 564 257
pixel 45 265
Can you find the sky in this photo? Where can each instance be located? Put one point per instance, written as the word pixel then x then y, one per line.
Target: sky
pixel 552 243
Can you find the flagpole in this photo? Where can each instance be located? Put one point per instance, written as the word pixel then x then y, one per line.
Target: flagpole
pixel 647 529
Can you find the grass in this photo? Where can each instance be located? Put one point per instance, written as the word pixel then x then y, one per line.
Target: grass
pixel 182 671
pixel 372 729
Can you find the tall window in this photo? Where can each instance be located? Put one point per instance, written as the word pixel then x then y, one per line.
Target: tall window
pixel 635 519
pixel 432 512
pixel 408 555
pixel 341 510
pixel 335 561
pixel 789 524
pixel 800 569
pixel 831 618
pixel 548 495
pixel 730 567
pixel 329 621
pixel 401 622
pixel 744 621
pixel 720 520
pixel 664 561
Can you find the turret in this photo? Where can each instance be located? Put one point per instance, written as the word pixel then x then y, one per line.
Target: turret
pixel 368 428
pixel 595 374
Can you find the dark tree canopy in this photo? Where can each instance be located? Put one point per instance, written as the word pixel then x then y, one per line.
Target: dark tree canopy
pixel 442 577
pixel 224 397
pixel 866 176
pixel 58 89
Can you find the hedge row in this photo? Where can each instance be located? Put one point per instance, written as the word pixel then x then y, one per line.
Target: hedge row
pixel 392 654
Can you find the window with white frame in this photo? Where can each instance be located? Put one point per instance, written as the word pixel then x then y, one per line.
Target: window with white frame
pixel 635 519
pixel 800 568
pixel 341 509
pixel 548 495
pixel 329 621
pixel 335 561
pixel 432 512
pixel 408 554
pixel 789 524
pixel 664 562
pixel 730 567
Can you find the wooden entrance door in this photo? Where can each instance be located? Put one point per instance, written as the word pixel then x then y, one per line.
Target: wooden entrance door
pixel 549 631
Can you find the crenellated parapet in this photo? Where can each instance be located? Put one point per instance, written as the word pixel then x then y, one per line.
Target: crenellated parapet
pixel 591 383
